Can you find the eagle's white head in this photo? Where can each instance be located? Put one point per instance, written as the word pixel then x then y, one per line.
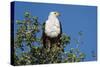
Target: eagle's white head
pixel 55 13
pixel 52 26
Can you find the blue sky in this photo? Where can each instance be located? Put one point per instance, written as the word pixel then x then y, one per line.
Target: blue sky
pixel 74 18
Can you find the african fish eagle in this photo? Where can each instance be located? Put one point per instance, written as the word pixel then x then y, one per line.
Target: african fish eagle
pixel 52 30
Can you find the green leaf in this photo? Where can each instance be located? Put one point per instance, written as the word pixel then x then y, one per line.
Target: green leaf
pixel 82 55
pixel 18 22
pixel 35 18
pixel 80 33
pixel 27 14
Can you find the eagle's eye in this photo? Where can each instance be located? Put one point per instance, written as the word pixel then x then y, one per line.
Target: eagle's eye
pixel 55 13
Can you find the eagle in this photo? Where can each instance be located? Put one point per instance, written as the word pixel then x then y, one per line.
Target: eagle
pixel 52 30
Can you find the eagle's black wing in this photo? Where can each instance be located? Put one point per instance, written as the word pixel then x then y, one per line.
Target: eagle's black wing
pixel 45 38
pixel 58 38
pixel 43 35
pixel 60 29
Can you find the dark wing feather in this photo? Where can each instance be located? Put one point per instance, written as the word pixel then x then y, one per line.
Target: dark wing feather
pixel 45 39
pixel 60 28
pixel 59 36
pixel 43 35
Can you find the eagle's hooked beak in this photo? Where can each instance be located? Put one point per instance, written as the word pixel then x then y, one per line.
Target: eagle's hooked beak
pixel 57 14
